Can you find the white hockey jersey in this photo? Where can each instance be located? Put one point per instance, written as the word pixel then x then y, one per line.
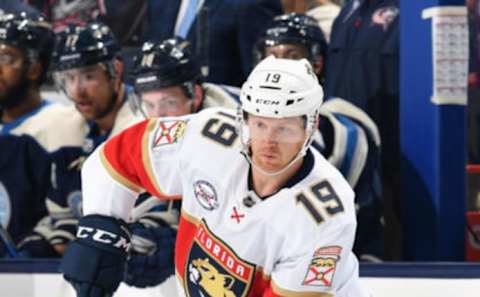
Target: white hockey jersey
pixel 220 96
pixel 296 242
pixel 55 125
pixel 51 125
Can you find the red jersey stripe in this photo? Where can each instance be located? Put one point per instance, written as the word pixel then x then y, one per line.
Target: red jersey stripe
pixel 129 169
pixel 187 229
pixel 120 178
pixel 148 164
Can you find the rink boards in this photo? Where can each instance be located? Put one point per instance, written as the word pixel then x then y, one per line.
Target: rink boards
pixel 39 278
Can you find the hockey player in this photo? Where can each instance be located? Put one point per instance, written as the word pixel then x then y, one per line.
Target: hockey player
pixel 87 67
pixel 349 138
pixel 293 36
pixel 28 124
pixel 167 81
pixel 263 214
pixel 88 70
pixel 25 48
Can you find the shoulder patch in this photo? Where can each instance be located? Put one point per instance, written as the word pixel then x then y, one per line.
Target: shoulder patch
pixel 168 132
pixel 206 194
pixel 322 267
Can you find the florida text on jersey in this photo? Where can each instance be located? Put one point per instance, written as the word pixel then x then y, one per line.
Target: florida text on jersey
pixel 231 243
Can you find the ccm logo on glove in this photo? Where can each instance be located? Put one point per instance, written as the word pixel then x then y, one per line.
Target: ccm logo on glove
pixel 103 236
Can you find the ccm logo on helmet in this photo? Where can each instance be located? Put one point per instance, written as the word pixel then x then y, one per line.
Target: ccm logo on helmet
pixel 267 102
pixel 103 236
pixel 69 57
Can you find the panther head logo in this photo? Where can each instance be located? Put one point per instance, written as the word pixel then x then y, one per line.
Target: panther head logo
pixel 215 284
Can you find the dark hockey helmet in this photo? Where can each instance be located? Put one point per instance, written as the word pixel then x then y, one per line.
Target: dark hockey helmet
pixel 31 34
pixel 292 28
pixel 165 64
pixel 80 46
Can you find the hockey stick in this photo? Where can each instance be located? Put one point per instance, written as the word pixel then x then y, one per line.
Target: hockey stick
pixel 8 242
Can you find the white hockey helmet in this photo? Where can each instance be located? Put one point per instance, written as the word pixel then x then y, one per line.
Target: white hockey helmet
pixel 281 88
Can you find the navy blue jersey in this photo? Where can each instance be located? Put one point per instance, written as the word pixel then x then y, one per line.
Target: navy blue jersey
pixel 64 197
pixel 24 180
pixel 66 182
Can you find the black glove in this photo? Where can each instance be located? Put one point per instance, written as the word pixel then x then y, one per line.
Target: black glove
pixel 95 262
pixel 152 259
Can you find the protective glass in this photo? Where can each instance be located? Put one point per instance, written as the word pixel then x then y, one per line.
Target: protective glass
pixel 165 106
pixel 73 80
pixel 283 130
pixel 287 51
pixel 8 58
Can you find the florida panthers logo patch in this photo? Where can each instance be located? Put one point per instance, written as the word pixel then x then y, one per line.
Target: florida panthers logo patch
pixel 214 270
pixel 322 267
pixel 168 132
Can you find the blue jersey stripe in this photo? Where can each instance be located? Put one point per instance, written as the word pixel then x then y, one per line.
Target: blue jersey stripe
pixel 352 137
pixel 7 128
pixel 230 92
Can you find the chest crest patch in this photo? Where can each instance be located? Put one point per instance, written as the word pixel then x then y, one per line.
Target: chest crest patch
pixel 214 270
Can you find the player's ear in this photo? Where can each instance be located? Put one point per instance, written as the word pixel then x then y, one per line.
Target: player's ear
pixel 318 65
pixel 34 71
pixel 198 97
pixel 118 68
